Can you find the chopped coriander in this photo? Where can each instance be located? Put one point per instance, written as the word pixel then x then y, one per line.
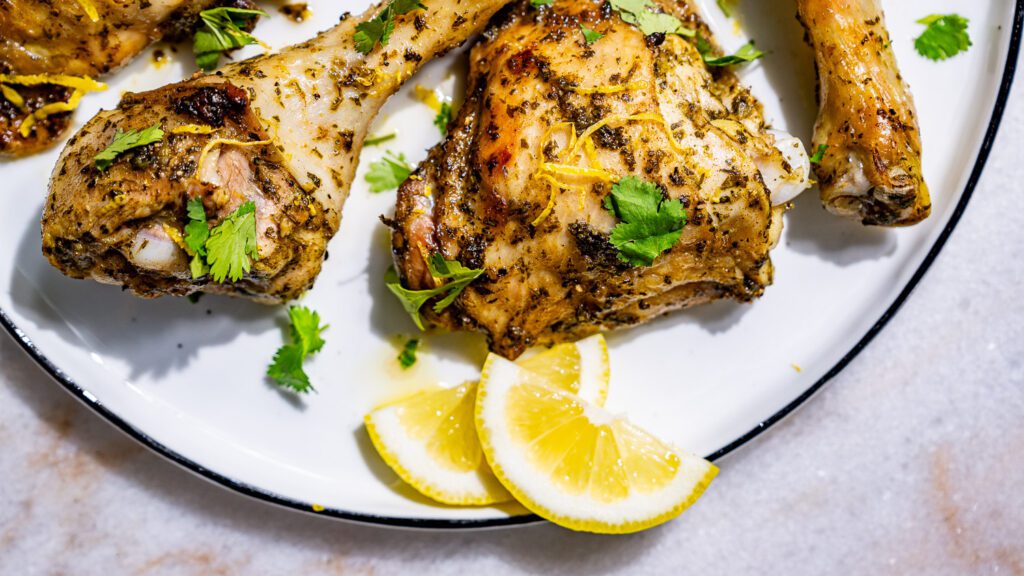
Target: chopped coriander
pixel 221 32
pixel 819 154
pixel 375 140
pixel 407 357
pixel 443 118
pixel 231 247
pixel 539 3
pixel 286 369
pixel 379 29
pixel 124 141
pixel 746 53
pixel 642 14
pixel 649 223
pixel 458 277
pixel 945 36
pixel 590 35
pixel 388 173
pixel 197 232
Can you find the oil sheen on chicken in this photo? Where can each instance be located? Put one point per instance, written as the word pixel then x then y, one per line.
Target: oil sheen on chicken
pixel 61 38
pixel 283 131
pixel 513 191
pixel 871 169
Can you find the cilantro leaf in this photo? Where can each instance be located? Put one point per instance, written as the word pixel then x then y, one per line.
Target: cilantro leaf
pixel 458 277
pixel 306 329
pixel 378 30
pixel 221 32
pixel 643 15
pixel 591 36
pixel 407 357
pixel 650 223
pixel 286 369
pixel 539 3
pixel 197 232
pixel 124 141
pixel 746 53
pixel 388 173
pixel 819 154
pixel 443 118
pixel 231 247
pixel 945 36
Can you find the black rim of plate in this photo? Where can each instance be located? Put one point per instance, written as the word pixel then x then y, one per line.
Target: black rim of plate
pixel 426 523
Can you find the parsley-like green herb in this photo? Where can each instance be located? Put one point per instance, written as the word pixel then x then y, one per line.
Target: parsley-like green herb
pixel 590 35
pixel 944 36
pixel 231 247
pixel 747 53
pixel 819 154
pixel 458 277
pixel 286 369
pixel 443 118
pixel 649 223
pixel 643 15
pixel 197 232
pixel 375 140
pixel 379 29
pixel 388 173
pixel 407 357
pixel 539 3
pixel 124 141
pixel 222 31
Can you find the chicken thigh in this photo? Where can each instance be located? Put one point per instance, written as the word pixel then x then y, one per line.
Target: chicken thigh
pixel 282 131
pixel 83 38
pixel 871 168
pixel 552 122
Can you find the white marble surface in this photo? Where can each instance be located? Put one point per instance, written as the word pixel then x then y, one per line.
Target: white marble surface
pixel 910 462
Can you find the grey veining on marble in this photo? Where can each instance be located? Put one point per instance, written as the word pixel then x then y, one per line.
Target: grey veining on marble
pixel 910 462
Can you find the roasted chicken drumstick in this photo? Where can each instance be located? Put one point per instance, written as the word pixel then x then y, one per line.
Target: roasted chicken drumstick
pixel 521 188
pixel 871 169
pixel 282 131
pixel 85 39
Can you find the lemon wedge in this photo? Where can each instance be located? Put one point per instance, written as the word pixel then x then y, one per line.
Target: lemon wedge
pixel 430 440
pixel 572 462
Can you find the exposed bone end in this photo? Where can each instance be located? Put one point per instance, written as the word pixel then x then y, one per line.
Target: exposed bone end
pixel 850 188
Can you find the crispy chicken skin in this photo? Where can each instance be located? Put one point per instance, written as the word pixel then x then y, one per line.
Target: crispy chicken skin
pixel 871 170
pixel 58 37
pixel 480 196
pixel 313 102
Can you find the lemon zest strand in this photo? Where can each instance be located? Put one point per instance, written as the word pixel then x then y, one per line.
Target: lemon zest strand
pixel 193 129
pixel 42 112
pixel 90 10
pixel 428 97
pixel 12 96
pixel 224 141
pixel 552 189
pixel 568 170
pixel 612 89
pixel 81 83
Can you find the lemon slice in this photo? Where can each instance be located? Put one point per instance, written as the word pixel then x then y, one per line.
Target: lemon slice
pixel 429 439
pixel 575 464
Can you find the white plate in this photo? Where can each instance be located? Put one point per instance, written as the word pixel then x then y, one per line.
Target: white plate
pixel 187 379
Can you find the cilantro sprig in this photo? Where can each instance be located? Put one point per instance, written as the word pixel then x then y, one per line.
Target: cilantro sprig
pixel 819 154
pixel 649 223
pixel 222 31
pixel 458 277
pixel 388 173
pixel 746 53
pixel 643 14
pixel 590 35
pixel 124 141
pixel 226 251
pixel 944 36
pixel 286 369
pixel 443 118
pixel 378 30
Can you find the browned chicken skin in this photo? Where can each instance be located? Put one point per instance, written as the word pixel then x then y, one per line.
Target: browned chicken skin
pixel 481 195
pixel 59 37
pixel 871 170
pixel 287 129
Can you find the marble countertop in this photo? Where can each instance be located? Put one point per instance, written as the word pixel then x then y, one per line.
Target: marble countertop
pixel 910 462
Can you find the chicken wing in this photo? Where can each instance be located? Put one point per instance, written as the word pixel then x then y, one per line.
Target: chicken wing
pixel 871 169
pixel 76 38
pixel 283 131
pixel 550 123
